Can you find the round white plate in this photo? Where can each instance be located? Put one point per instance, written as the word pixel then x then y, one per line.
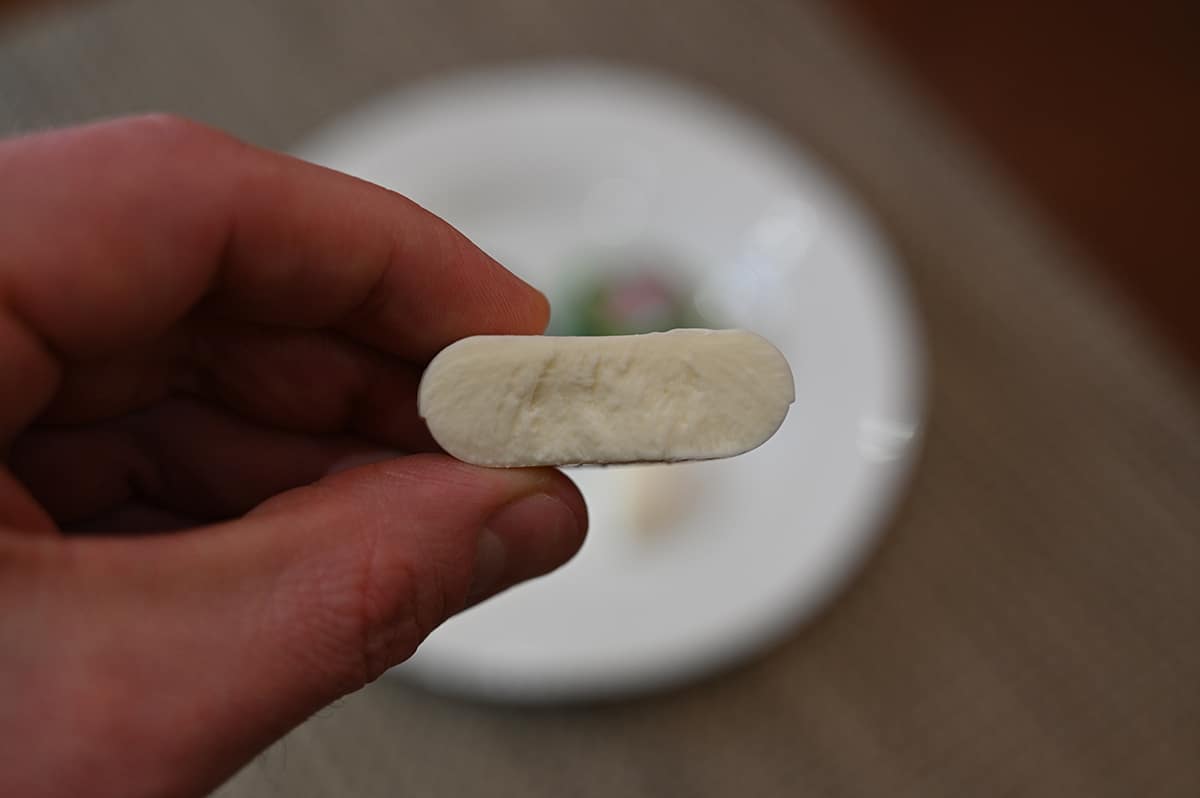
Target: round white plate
pixel 691 567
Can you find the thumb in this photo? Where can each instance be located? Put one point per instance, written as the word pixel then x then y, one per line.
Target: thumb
pixel 188 653
pixel 369 561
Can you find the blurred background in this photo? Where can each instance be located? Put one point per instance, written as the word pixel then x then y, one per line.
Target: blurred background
pixel 1029 623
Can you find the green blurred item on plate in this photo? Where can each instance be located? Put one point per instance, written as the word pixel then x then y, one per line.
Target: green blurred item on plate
pixel 626 302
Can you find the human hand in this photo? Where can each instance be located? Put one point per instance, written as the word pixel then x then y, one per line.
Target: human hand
pixel 203 337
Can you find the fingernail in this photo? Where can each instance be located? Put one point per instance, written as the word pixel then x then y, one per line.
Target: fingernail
pixel 524 539
pixel 490 559
pixel 362 459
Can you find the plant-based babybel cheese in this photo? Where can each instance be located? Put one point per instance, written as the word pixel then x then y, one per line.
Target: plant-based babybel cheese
pixel 527 400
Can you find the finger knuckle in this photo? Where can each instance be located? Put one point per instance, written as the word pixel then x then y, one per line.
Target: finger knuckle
pixel 371 608
pixel 388 600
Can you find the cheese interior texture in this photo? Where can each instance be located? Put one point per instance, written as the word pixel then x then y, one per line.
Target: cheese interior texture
pixel 508 400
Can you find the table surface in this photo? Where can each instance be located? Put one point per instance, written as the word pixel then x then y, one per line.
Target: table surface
pixel 1029 625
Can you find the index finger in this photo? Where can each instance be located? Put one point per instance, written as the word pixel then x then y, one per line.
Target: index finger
pixel 114 231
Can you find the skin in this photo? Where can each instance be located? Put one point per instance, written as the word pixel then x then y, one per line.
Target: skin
pixel 207 529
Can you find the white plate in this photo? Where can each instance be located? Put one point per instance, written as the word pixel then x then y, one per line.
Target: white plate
pixel 687 568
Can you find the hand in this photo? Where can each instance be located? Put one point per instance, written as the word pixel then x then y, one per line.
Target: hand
pixel 203 337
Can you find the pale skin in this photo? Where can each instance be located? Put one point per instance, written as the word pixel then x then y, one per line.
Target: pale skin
pixel 219 511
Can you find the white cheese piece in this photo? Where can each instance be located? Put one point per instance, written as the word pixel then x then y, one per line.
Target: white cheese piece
pixel 526 400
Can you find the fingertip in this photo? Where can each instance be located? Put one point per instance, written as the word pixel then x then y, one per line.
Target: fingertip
pixel 532 535
pixel 543 310
pixel 515 306
pixel 568 492
pixel 521 309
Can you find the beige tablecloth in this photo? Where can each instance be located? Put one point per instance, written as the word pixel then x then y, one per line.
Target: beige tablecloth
pixel 1030 626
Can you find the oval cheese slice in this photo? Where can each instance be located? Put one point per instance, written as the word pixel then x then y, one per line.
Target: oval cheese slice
pixel 525 400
